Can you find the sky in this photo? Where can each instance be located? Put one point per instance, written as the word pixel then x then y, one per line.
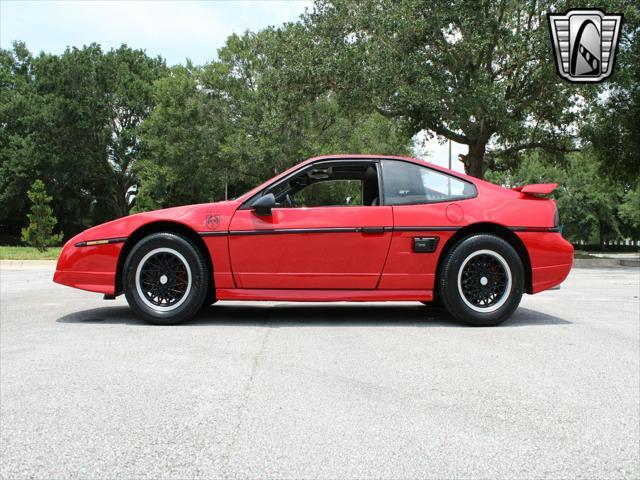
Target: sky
pixel 175 30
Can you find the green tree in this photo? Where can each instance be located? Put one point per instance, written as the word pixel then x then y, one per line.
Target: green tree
pixel 274 126
pixel 478 73
pixel 612 127
pixel 181 160
pixel 53 117
pixel 73 119
pixel 236 123
pixel 587 201
pixel 130 76
pixel 629 211
pixel 39 232
pixel 20 109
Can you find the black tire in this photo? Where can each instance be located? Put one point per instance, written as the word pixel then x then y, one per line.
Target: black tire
pixel 210 298
pixel 481 281
pixel 173 269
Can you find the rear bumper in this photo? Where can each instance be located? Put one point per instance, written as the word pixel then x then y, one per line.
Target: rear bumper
pixel 545 278
pixel 551 258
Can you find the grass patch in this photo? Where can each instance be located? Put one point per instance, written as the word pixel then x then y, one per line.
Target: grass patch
pixel 28 253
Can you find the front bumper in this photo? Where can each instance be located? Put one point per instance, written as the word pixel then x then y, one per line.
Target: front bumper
pixel 91 268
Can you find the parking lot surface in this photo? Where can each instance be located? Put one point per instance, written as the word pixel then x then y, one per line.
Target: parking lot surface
pixel 270 390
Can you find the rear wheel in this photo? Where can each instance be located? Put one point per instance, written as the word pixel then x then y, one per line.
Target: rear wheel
pixel 482 280
pixel 165 279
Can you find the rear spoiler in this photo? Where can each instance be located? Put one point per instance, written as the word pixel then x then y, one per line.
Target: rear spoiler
pixel 537 188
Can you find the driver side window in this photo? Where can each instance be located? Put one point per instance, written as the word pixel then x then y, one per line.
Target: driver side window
pixel 331 184
pixel 330 193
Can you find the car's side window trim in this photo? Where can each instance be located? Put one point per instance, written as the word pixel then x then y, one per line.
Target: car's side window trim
pixel 380 184
pixel 246 205
pixel 451 199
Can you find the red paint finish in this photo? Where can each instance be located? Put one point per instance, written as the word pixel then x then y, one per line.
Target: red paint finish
pixel 358 253
pixel 537 188
pixel 94 268
pixel 323 259
pixel 551 258
pixel 406 269
pixel 296 295
pixel 88 268
pixel 219 251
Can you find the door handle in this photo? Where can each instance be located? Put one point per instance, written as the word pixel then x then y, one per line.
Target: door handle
pixel 372 229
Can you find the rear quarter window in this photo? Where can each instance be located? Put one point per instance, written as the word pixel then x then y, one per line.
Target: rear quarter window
pixel 406 183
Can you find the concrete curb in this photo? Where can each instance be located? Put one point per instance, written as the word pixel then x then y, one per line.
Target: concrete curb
pixel 630 262
pixel 27 264
pixel 604 262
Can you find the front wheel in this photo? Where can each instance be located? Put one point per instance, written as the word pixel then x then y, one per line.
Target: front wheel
pixel 165 279
pixel 482 280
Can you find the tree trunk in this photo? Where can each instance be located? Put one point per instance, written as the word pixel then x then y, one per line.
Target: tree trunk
pixel 122 206
pixel 474 160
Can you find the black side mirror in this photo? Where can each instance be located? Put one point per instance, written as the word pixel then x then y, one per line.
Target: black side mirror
pixel 263 205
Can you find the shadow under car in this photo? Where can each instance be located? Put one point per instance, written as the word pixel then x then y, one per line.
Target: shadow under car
pixel 302 315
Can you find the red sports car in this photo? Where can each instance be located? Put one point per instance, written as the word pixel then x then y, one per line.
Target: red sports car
pixel 333 228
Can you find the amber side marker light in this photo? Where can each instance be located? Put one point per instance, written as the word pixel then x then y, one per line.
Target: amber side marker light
pixel 90 243
pixel 97 242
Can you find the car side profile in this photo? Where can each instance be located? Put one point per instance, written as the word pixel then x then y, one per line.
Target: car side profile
pixel 333 228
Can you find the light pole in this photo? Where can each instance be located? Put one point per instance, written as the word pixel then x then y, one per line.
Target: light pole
pixel 448 179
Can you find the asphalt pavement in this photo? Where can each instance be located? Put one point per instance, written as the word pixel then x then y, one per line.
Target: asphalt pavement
pixel 275 390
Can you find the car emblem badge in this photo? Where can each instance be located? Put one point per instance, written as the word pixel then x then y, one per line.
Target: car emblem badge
pixel 212 221
pixel 585 43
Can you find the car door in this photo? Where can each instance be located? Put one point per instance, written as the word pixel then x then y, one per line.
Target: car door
pixel 337 246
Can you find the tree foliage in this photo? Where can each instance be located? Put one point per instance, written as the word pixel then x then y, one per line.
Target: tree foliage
pixel 349 77
pixel 130 99
pixel 612 127
pixel 72 119
pixel 181 141
pixel 478 73
pixel 235 123
pixel 593 207
pixel 39 233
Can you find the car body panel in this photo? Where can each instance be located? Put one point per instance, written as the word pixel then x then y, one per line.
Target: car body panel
pixel 91 268
pixel 405 269
pixel 551 258
pixel 537 188
pixel 310 248
pixel 94 267
pixel 326 253
pixel 327 295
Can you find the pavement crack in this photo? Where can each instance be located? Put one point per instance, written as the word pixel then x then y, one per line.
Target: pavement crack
pixel 244 400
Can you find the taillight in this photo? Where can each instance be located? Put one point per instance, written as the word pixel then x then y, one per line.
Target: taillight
pixel 556 218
